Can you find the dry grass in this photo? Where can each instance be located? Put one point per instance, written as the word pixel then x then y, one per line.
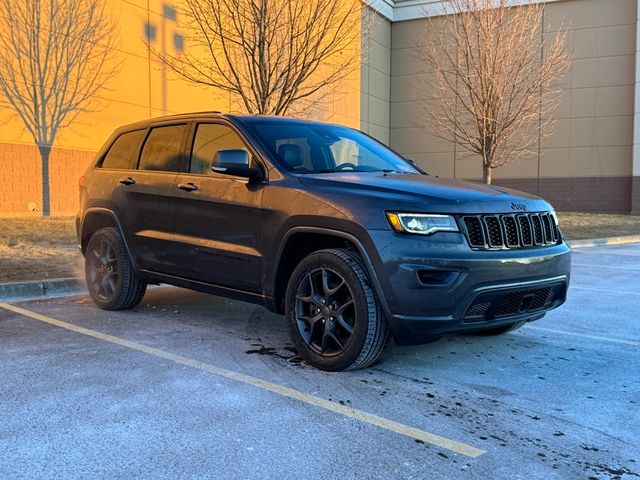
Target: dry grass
pixel 37 248
pixel 577 225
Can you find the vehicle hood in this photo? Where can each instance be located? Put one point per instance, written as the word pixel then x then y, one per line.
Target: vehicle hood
pixel 426 191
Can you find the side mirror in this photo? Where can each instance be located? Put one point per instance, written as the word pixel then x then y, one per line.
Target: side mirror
pixel 233 162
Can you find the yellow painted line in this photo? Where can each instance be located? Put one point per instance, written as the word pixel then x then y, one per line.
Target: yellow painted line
pixel 354 413
pixel 586 335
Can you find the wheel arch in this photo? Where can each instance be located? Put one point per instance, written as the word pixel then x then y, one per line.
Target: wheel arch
pixel 96 218
pixel 301 241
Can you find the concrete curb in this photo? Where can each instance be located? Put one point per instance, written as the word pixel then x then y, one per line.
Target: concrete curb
pixel 41 289
pixel 74 286
pixel 599 242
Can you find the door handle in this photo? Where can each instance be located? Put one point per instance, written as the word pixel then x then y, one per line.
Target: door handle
pixel 127 181
pixel 188 187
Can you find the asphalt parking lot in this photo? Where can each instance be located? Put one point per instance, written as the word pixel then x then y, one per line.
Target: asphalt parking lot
pixel 195 386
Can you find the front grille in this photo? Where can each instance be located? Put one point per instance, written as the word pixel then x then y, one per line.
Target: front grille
pixel 499 304
pixel 523 230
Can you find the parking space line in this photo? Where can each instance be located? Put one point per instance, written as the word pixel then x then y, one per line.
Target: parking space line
pixel 632 269
pixel 624 253
pixel 586 335
pixel 391 425
pixel 600 290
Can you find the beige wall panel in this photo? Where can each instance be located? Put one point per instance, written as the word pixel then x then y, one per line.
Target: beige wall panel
pixel 555 162
pixel 378 112
pixel 593 134
pixel 604 71
pixel 605 41
pixel 407 114
pixel 409 33
pixel 565 106
pixel 381 31
pixel 406 62
pixel 415 140
pixel 525 167
pixel 601 131
pixel 412 87
pixel 469 166
pixel 364 108
pixel 379 84
pixel 602 101
pixel 589 13
pixel 561 136
pixel 364 79
pixel 600 161
pixel 440 164
pixel 379 133
pixel 378 57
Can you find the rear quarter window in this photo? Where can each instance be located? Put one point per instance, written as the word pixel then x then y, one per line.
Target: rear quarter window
pixel 123 153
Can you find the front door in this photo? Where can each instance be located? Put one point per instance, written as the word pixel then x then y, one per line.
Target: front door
pixel 218 221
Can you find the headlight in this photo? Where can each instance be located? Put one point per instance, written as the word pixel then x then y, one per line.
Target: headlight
pixel 422 223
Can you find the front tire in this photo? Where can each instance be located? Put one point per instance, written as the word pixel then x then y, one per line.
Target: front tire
pixel 111 278
pixel 334 316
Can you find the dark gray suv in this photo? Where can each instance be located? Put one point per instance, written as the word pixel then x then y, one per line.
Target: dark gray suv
pixel 319 222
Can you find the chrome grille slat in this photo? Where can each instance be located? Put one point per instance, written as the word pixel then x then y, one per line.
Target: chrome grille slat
pixel 510 231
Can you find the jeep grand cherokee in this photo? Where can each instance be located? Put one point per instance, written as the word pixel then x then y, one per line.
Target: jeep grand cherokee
pixel 322 223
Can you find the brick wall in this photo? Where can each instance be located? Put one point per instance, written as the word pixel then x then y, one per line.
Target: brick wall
pixel 588 194
pixel 20 179
pixel 635 196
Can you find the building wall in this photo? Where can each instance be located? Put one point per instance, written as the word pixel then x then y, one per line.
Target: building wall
pixel 375 78
pixel 587 163
pixel 134 93
pixel 20 185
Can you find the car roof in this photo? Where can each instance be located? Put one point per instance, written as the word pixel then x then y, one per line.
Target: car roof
pixel 213 114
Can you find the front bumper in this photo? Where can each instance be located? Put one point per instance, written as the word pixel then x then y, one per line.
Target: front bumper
pixel 438 284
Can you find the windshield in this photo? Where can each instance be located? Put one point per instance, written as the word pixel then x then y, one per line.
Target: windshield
pixel 320 148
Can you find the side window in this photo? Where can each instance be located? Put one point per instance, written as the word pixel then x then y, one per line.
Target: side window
pixel 124 151
pixel 209 139
pixel 161 151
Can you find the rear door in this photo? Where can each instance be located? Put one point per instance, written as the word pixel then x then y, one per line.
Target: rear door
pixel 144 197
pixel 218 220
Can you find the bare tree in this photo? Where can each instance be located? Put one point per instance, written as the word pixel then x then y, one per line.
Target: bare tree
pixel 495 84
pixel 269 54
pixel 52 67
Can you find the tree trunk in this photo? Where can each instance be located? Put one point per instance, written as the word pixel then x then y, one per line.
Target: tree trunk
pixel 45 150
pixel 486 174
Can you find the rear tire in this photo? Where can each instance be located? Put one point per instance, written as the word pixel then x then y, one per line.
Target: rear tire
pixel 111 278
pixel 499 330
pixel 334 316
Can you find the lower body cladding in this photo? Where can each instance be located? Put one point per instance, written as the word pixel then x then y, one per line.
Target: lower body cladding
pixel 436 285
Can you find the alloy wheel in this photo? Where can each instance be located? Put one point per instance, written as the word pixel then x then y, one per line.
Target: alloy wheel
pixel 103 270
pixel 325 311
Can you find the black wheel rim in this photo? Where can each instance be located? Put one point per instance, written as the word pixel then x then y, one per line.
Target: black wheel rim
pixel 325 311
pixel 103 270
